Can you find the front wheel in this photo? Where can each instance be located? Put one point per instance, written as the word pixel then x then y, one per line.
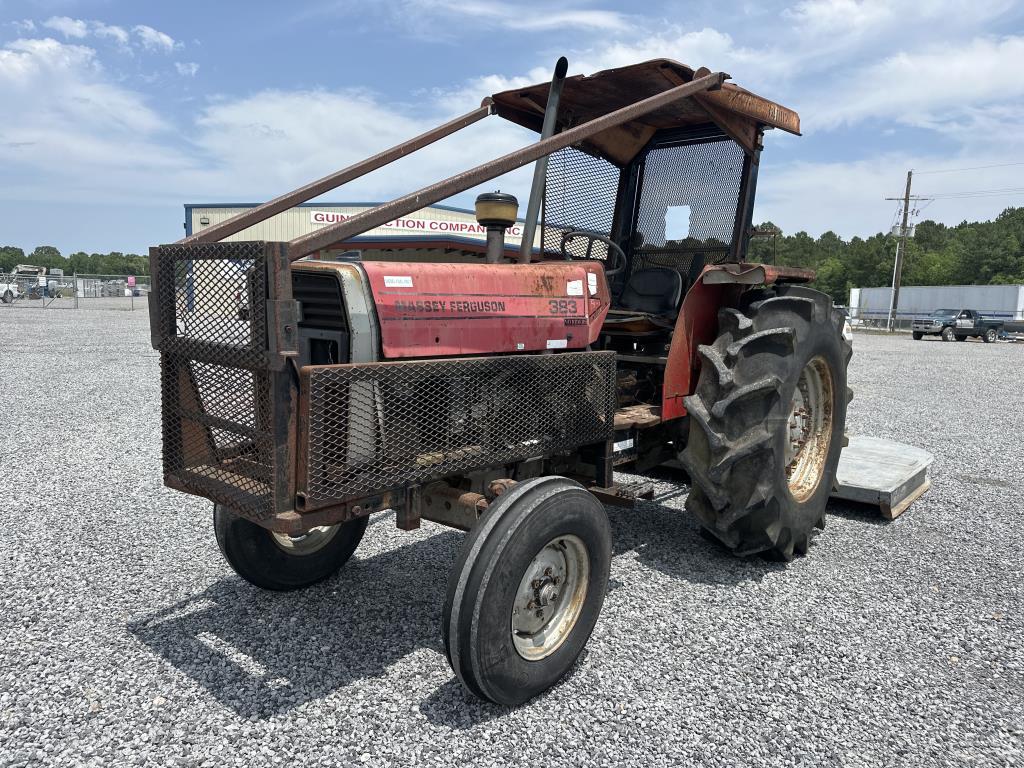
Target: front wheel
pixel 948 334
pixel 8 297
pixel 281 562
pixel 527 589
pixel 918 336
pixel 990 335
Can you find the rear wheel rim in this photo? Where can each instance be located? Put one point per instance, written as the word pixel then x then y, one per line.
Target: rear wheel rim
pixel 809 429
pixel 306 543
pixel 550 597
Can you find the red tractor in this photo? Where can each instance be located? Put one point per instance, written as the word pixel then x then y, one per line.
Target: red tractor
pixel 499 394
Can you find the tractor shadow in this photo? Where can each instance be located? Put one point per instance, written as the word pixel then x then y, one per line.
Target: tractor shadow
pixel 264 653
pixel 664 536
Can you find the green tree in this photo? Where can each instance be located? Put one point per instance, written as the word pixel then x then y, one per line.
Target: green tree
pixel 10 255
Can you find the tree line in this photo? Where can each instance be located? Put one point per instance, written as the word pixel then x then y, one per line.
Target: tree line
pixel 80 262
pixel 970 253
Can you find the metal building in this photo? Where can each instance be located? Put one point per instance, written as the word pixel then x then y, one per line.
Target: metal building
pixel 427 234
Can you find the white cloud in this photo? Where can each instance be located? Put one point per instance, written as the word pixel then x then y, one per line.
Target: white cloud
pixel 67 26
pixel 275 140
pixel 78 136
pixel 119 34
pixel 849 197
pixel 154 39
pixel 932 88
pixel 186 68
pixel 522 17
pixel 23 26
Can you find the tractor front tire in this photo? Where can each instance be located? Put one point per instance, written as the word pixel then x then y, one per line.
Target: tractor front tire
pixel 280 562
pixel 527 589
pixel 767 421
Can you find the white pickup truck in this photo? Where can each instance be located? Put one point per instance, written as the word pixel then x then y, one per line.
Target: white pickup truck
pixel 14 284
pixel 9 289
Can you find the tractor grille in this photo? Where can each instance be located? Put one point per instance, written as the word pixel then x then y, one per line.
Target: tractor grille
pixel 379 426
pixel 209 322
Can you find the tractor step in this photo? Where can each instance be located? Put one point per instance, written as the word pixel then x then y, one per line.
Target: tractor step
pixel 883 473
pixel 623 494
pixel 638 417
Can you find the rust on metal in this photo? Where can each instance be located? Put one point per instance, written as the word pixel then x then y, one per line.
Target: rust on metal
pixel 735 110
pixel 456 508
pixel 755 274
pixel 316 188
pixel 402 206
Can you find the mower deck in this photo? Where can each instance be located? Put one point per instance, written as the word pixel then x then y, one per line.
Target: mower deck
pixel 882 473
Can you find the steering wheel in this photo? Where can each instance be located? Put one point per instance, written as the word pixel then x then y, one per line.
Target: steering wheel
pixel 592 237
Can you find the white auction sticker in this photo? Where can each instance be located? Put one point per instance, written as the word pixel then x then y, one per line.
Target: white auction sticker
pixel 574 288
pixel 558 343
pixel 397 281
pixel 592 283
pixel 623 445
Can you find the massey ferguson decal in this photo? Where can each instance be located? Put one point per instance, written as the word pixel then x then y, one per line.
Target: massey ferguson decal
pixel 451 306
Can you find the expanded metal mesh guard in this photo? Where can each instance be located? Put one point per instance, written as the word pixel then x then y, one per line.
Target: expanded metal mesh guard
pixel 209 321
pixel 686 215
pixel 372 427
pixel 579 193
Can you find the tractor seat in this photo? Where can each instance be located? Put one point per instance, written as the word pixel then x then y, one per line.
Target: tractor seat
pixel 648 304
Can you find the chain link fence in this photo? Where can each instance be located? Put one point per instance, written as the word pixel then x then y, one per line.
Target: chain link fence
pixel 77 291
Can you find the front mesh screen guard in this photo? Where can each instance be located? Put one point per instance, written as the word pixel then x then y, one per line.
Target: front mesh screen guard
pixel 223 320
pixel 238 430
pixel 366 428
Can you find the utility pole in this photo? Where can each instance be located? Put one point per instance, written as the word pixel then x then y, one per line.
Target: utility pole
pixel 901 249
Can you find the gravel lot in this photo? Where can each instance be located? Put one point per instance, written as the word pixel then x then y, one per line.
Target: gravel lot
pixel 127 639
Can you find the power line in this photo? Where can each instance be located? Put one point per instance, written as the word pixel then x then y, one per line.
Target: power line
pixel 977 193
pixel 972 168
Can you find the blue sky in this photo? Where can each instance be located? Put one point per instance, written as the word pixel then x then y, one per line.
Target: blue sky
pixel 115 114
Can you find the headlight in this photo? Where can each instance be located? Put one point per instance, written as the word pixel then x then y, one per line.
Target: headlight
pixel 847 331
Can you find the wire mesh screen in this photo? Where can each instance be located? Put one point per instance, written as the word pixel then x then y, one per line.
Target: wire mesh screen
pixel 378 426
pixel 579 193
pixel 209 323
pixel 687 209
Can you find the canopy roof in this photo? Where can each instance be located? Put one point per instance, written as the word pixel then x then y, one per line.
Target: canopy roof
pixel 738 112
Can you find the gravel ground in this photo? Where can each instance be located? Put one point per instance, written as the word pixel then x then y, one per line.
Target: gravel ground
pixel 127 639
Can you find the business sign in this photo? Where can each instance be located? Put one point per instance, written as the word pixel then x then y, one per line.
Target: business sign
pixel 131 281
pixel 418 226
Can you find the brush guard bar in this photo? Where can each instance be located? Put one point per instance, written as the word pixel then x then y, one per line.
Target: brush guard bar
pixel 244 427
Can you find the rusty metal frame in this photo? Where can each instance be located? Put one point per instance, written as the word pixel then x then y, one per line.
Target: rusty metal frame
pixel 402 206
pixel 316 188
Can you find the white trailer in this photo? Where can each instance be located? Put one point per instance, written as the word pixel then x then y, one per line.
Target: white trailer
pixel 1001 302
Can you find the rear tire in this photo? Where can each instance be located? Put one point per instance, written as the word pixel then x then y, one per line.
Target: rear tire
pixel 917 336
pixel 279 562
pixel 775 375
pixel 527 589
pixel 990 335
